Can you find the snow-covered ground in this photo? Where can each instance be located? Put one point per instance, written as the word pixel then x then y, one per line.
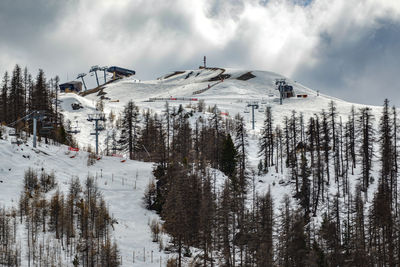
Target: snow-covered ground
pixel 231 96
pixel 122 184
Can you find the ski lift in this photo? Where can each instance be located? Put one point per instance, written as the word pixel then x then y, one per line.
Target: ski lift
pixel 74 129
pixel 261 109
pixel 15 133
pixel 16 142
pixel 46 128
pixel 44 131
pixel 263 101
pixel 246 110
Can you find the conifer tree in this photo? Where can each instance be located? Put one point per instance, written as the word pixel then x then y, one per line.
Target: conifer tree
pixel 266 142
pixel 228 157
pixel 4 99
pixel 366 137
pixel 16 96
pixel 129 138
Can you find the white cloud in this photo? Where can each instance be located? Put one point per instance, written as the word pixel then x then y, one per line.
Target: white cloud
pixel 154 37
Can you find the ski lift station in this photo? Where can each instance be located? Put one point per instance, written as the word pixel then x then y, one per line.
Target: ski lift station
pixel 120 72
pixel 70 87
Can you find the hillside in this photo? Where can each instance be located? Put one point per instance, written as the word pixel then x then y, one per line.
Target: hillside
pixel 230 95
pixel 121 183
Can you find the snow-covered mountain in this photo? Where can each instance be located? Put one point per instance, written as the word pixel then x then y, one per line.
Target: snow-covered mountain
pixel 123 183
pixel 229 89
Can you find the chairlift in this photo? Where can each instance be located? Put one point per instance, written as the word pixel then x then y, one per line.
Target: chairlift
pixel 15 133
pixel 246 110
pixel 263 101
pixel 261 109
pixel 74 131
pixel 44 131
pixel 47 125
pixel 16 142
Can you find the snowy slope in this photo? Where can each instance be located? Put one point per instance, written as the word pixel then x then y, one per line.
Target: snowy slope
pixel 230 96
pixel 122 185
pixel 117 180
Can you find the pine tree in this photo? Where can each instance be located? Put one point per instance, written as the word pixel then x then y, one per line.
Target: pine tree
pixel 305 191
pixel 241 144
pixel 266 142
pixel 16 96
pixel 4 99
pixel 129 138
pixel 366 137
pixel 228 157
pixel 174 213
pixel 40 95
pixel 265 249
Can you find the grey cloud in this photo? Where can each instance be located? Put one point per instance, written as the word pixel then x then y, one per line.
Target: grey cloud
pixel 362 68
pixel 154 37
pixel 26 21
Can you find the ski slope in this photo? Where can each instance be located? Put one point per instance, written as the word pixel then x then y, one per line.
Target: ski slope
pixel 230 95
pixel 121 183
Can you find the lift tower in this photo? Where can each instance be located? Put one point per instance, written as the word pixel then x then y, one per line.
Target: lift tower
pixel 97 127
pixel 95 69
pixel 280 83
pixel 253 105
pixel 80 76
pixel 104 69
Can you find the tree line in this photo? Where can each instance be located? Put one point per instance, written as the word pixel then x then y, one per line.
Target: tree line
pixel 329 162
pixel 61 229
pixel 21 94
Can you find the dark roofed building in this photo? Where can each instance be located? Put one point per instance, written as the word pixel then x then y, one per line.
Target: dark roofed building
pixel 69 87
pixel 120 72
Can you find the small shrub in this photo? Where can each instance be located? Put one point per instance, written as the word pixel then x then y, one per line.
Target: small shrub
pixel 172 262
pixel 150 195
pixel 155 229
pixel 31 180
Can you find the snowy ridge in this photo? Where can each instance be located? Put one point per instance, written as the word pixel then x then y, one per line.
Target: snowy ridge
pixel 230 96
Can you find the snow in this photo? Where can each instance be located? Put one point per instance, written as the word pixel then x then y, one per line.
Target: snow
pixel 230 95
pixel 116 180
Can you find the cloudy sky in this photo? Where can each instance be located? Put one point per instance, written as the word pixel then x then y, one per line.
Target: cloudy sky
pixel 345 48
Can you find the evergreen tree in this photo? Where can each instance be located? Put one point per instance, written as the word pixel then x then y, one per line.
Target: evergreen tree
pixel 16 96
pixel 228 157
pixel 366 137
pixel 129 138
pixel 266 142
pixel 4 99
pixel 304 194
